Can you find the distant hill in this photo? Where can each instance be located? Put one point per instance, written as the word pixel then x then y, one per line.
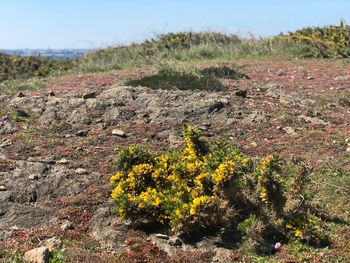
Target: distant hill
pixel 47 53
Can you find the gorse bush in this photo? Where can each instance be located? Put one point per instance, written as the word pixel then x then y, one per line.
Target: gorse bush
pixel 212 187
pixel 321 42
pixel 16 67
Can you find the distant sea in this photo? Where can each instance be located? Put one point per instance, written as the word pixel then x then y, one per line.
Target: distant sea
pixel 48 53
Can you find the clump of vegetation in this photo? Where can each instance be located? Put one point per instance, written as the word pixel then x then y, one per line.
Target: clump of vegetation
pixel 177 75
pixel 16 67
pixel 213 187
pixel 321 42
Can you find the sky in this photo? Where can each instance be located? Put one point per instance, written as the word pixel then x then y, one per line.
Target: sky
pixel 68 24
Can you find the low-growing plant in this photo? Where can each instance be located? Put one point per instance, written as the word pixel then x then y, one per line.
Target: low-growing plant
pixel 215 186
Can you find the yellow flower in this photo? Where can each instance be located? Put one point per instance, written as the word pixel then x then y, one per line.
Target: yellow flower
pixel 115 178
pixel 118 191
pixel 263 195
pixel 197 202
pixel 223 172
pixel 298 233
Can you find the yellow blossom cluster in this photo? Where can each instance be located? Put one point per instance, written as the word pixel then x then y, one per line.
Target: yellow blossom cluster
pixel 263 174
pixel 329 41
pixel 170 186
pixel 196 184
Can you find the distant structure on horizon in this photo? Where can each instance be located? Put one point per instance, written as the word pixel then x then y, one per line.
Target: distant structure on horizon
pixel 47 53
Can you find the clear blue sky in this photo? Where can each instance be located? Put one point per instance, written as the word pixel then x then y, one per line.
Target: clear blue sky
pixel 100 23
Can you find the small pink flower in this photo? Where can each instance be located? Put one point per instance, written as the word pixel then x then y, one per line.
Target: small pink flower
pixel 278 245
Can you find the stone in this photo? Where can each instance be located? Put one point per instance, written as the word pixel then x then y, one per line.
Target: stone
pixel 38 255
pixel 175 242
pixel 254 144
pixel 348 149
pixel 81 133
pixel 33 177
pixel 313 120
pixel 53 243
pixel 162 236
pixel 222 255
pixel 67 225
pixel 3 188
pixel 290 131
pixel 119 133
pixel 63 161
pixel 2 212
pixel 90 95
pixel 80 171
pixel 230 121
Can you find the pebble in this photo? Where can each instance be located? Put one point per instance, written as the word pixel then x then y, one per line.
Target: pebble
pixel 290 131
pixel 119 133
pixel 162 236
pixel 67 226
pixel 33 177
pixel 80 171
pixel 38 255
pixel 81 133
pixel 63 161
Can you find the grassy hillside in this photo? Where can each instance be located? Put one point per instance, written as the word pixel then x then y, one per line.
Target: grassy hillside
pixel 190 47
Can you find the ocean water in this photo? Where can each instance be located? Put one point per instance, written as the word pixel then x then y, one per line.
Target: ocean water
pixel 51 53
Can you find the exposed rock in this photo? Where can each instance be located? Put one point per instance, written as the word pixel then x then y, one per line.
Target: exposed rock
pixel 290 131
pixel 90 95
pixel 119 133
pixel 107 229
pixel 67 225
pixel 258 117
pixel 313 120
pixel 38 255
pixel 162 236
pixel 5 143
pixel 81 133
pixel 63 161
pixel 346 77
pixel 175 241
pixel 53 243
pixel 80 171
pixel 222 255
pixel 33 177
pixel 7 127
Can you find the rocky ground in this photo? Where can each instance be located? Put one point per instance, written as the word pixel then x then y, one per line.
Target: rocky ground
pixel 58 146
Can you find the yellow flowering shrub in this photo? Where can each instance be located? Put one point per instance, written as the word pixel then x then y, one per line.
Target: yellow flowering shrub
pixel 202 185
pixel 329 41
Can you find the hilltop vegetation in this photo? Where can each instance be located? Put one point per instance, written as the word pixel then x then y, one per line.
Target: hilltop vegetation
pixel 190 47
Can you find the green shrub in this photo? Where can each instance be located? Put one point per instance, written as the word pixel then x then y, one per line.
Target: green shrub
pixel 321 42
pixel 16 67
pixel 210 187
